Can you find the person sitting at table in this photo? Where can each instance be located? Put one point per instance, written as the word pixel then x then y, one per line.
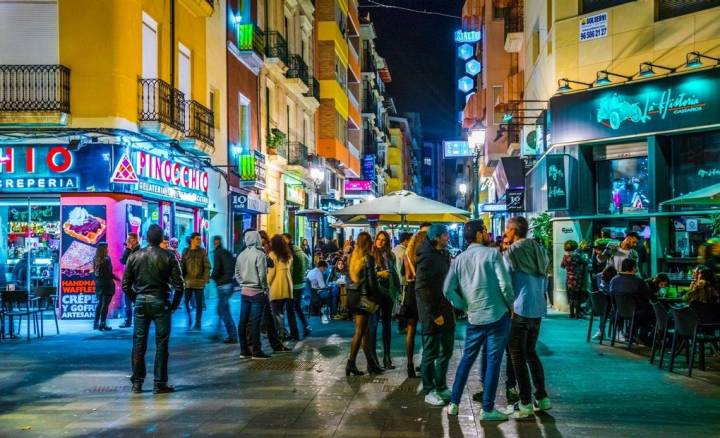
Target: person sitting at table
pixel 320 292
pixel 628 283
pixel 338 279
pixel 659 282
pixel 704 287
pixel 605 277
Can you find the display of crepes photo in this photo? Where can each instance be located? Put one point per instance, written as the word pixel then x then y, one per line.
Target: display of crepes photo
pixel 77 260
pixel 84 226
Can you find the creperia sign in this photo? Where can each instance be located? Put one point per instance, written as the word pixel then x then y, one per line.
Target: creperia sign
pixel 660 105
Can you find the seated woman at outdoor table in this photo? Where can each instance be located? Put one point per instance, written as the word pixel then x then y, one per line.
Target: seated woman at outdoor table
pixel 337 280
pixel 704 287
pixel 660 281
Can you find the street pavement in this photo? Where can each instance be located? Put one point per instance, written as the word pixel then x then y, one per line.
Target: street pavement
pixel 76 384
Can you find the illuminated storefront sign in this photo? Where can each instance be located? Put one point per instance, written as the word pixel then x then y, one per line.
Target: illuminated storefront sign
pixel 557 196
pixel 469 36
pixel 357 185
pixel 54 168
pixel 637 108
pixel 455 149
pixel 295 194
pixel 162 170
pixel 246 203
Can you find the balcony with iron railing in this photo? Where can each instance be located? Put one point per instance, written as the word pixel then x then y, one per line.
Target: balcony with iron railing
pixel 370 103
pixel 162 103
pixel 514 26
pixel 251 38
pixel 276 47
pixel 313 89
pixel 297 69
pixel 33 89
pixel 277 143
pixel 297 154
pixel 201 123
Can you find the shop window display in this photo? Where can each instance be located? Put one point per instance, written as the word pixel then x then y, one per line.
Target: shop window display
pixel 623 186
pixel 695 162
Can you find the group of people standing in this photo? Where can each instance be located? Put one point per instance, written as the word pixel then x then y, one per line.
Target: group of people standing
pixel 502 292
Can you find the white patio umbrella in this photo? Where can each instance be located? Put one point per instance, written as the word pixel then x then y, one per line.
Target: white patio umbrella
pixel 401 207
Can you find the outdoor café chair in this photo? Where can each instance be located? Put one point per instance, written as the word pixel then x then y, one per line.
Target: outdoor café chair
pixel 687 326
pixel 17 304
pixel 46 301
pixel 625 310
pixel 599 306
pixel 662 325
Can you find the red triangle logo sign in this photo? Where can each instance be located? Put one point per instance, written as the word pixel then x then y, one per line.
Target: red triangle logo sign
pixel 124 172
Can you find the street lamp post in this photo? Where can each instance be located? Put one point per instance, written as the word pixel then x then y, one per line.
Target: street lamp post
pixel 462 187
pixel 317 175
pixel 477 141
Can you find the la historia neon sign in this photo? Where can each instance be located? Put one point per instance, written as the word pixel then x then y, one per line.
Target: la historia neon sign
pixel 470 36
pixel 613 109
pixel 156 168
pixel 58 159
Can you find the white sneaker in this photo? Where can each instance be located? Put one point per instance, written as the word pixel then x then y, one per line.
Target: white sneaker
pixel 324 319
pixel 453 409
pixel 621 337
pixel 434 399
pixel 596 336
pixel 493 415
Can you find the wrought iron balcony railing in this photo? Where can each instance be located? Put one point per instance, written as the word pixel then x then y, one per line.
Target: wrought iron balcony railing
pixel 276 46
pixel 251 38
pixel 297 69
pixel 368 62
pixel 297 154
pixel 201 123
pixel 313 88
pixel 370 103
pixel 35 88
pixel 160 102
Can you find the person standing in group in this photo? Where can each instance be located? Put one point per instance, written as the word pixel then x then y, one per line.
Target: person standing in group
pixel 305 247
pixel 528 263
pixel 149 275
pixel 104 286
pixel 131 245
pixel 479 283
pixel 575 267
pixel 389 293
pixel 299 268
pixel 436 314
pixel 280 281
pixel 362 293
pixel 196 268
pixel 399 254
pixel 409 306
pixel 222 274
pixel 251 270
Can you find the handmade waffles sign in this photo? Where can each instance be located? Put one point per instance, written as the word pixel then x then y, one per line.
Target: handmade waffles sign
pixel 83 227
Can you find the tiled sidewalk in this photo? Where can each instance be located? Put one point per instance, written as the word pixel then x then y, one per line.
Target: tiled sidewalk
pixel 76 384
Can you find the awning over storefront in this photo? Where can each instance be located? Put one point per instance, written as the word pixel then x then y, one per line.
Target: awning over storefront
pixel 706 196
pixel 509 175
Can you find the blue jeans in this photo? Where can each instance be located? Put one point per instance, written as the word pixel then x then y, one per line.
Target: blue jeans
pixel 295 312
pixel 251 310
pixel 225 291
pixel 510 380
pixel 495 337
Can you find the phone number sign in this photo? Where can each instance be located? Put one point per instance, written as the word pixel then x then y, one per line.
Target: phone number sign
pixel 594 27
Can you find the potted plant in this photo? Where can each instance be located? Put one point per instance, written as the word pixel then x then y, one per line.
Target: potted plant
pixel 275 139
pixel 543 232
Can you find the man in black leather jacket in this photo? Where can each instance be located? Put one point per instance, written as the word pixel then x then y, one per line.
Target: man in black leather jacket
pixel 149 275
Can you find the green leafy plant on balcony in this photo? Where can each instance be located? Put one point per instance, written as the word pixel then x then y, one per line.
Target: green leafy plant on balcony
pixel 274 140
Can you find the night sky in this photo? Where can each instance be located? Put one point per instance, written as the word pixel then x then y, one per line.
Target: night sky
pixel 419 50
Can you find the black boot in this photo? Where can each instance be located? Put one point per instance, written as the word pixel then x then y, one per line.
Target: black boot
pixel 373 366
pixel 137 387
pixel 411 373
pixel 163 388
pixel 387 362
pixel 351 368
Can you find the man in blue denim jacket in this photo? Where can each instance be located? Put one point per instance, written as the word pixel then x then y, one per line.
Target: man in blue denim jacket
pixel 528 262
pixel 479 283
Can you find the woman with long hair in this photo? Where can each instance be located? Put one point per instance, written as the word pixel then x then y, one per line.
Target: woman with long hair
pixel 409 304
pixel 104 286
pixel 305 247
pixel 280 281
pixel 361 295
pixel 388 282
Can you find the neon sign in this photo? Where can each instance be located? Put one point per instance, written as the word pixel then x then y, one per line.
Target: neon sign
pixel 614 110
pixel 469 36
pixel 156 168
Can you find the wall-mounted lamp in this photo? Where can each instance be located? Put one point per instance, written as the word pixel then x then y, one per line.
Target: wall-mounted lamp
pixel 603 77
pixel 564 84
pixel 694 59
pixel 646 69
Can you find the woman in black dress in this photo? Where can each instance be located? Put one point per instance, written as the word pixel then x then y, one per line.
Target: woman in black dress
pixel 409 303
pixel 362 293
pixel 104 286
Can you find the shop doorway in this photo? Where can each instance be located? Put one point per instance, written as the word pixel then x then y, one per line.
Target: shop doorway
pixel 30 233
pixel 185 226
